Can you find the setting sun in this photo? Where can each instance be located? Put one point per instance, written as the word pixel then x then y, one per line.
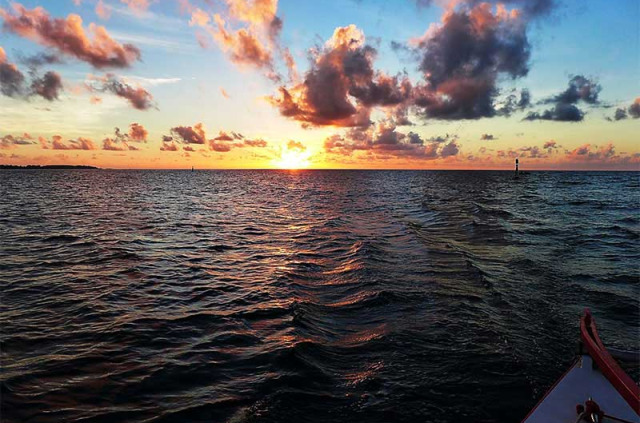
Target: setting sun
pixel 293 160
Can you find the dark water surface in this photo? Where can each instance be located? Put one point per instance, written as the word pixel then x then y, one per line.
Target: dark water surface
pixel 314 296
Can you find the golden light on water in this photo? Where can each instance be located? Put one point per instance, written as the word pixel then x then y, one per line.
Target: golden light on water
pixel 293 159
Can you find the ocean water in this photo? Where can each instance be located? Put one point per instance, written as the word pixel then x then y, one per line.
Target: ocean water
pixel 306 296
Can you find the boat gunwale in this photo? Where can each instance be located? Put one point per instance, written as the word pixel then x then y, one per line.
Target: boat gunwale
pixel 621 381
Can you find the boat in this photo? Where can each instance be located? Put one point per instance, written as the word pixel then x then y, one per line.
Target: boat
pixel 593 389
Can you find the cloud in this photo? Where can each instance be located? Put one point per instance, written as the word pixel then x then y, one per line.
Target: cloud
pixel 137 6
pixel 260 143
pixel 11 79
pixel 531 152
pixel 190 135
pixel 9 141
pixel 110 144
pixel 619 115
pixel 248 31
pixel 383 141
pixel 68 37
pixel 562 112
pixel 296 145
pixel 633 111
pixel 169 146
pixel 450 149
pixel 341 86
pixel 138 97
pixel 487 137
pixel 103 11
pixel 243 47
pixel 462 58
pixel 137 132
pixel 530 8
pixel 224 93
pixel 199 18
pixel 122 141
pixel 80 143
pixel 40 59
pixel 223 136
pixel 513 103
pixel 47 86
pixel 580 89
pixel 603 154
pixel 223 142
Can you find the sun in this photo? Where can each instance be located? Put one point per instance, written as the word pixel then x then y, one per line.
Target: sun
pixel 293 159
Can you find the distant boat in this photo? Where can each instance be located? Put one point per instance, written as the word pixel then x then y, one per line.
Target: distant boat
pixel 594 389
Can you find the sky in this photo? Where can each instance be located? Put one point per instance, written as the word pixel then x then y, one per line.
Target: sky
pixel 364 84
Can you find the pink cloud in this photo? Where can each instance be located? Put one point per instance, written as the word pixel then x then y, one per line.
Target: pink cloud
pixel 68 37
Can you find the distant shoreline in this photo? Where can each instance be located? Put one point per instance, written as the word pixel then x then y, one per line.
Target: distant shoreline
pixel 48 167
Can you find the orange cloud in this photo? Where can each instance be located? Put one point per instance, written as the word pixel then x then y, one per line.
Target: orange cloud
pixel 78 144
pixel 223 142
pixel 341 87
pixel 383 141
pixel 169 146
pixel 243 47
pixel 122 141
pixel 68 37
pixel 255 43
pixel 9 142
pixel 138 132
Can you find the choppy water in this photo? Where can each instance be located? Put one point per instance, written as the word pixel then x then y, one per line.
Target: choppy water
pixel 315 296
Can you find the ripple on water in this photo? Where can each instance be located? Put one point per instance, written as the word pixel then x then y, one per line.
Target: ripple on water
pixel 266 296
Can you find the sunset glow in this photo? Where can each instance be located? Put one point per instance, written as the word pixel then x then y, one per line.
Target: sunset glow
pixel 293 160
pixel 230 84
